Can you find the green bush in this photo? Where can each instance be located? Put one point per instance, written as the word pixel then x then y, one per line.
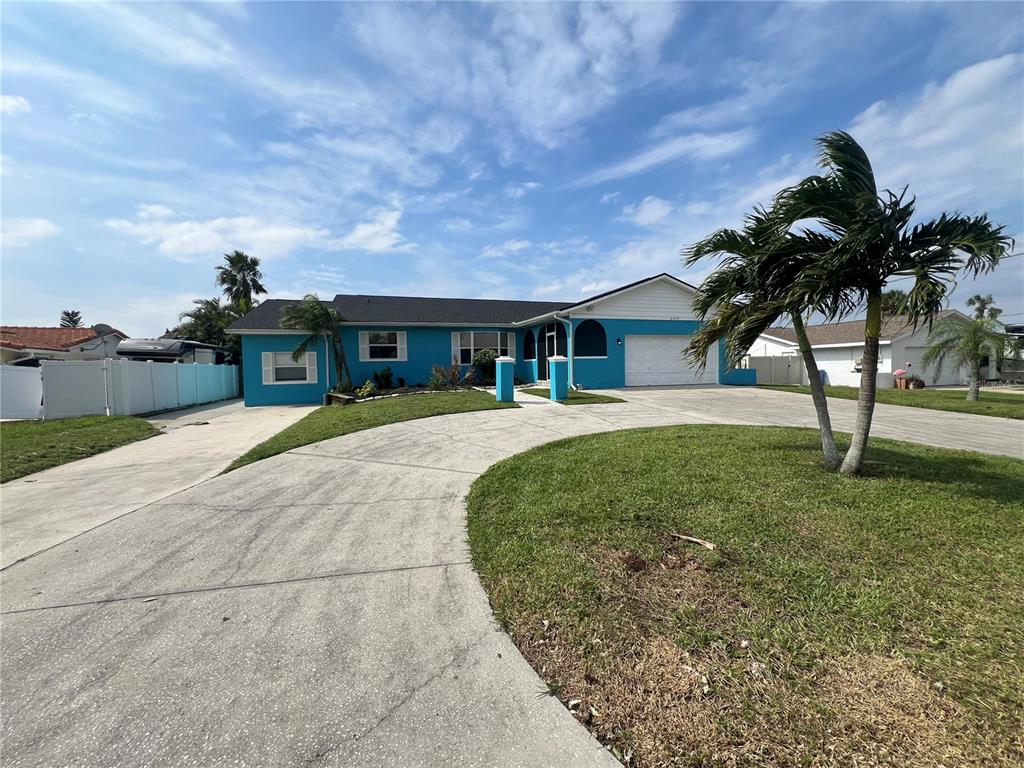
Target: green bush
pixel 384 378
pixel 367 390
pixel 484 362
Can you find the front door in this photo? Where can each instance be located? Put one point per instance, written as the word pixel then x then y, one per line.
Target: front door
pixel 550 349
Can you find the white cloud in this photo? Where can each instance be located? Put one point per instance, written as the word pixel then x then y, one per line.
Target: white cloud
pixel 13 105
pixel 458 224
pixel 507 247
pixel 541 68
pixel 958 142
pixel 198 240
pixel 516 191
pixel 18 233
pixel 609 197
pixel 693 146
pixel 648 211
pixel 377 235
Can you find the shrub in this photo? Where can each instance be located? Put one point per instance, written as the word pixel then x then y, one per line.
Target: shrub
pixel 484 362
pixel 383 378
pixel 914 382
pixel 444 378
pixel 401 382
pixel 367 390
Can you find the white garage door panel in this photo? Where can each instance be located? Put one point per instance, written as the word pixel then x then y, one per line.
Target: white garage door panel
pixel 658 360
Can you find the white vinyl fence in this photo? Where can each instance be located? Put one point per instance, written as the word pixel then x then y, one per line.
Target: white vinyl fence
pixel 21 392
pixel 129 387
pixel 777 369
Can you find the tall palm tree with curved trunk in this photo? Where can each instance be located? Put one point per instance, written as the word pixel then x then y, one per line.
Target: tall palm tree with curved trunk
pixel 747 294
pixel 871 241
pixel 240 278
pixel 320 322
pixel 964 343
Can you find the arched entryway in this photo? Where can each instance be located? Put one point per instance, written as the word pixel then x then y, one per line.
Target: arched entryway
pixel 550 342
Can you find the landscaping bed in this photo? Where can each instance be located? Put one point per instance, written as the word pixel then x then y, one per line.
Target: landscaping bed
pixel 838 621
pixel 334 421
pixel 32 446
pixel 1003 404
pixel 576 397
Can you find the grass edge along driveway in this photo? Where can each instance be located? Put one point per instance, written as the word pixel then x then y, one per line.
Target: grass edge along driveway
pixel 335 421
pixel 1000 404
pixel 838 620
pixel 27 447
pixel 576 397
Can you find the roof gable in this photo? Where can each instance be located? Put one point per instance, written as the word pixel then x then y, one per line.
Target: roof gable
pixel 41 337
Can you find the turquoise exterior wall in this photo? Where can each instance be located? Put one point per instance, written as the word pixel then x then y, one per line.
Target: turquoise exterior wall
pixel 429 346
pixel 258 393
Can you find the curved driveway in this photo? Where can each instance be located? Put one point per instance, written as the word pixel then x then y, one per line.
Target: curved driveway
pixel 318 608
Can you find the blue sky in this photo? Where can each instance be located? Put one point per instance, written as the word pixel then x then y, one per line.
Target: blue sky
pixel 543 151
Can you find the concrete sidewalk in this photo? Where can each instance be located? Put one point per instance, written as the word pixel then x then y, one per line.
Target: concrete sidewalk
pixel 319 608
pixel 49 507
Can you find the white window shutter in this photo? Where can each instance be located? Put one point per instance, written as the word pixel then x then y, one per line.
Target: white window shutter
pixel 403 349
pixel 364 346
pixel 311 367
pixel 268 367
pixel 456 353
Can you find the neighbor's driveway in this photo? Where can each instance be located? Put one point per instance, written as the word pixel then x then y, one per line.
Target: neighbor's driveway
pixel 318 608
pixel 49 507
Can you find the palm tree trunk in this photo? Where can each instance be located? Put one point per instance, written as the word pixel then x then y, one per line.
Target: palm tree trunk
pixel 974 386
pixel 828 440
pixel 854 460
pixel 341 361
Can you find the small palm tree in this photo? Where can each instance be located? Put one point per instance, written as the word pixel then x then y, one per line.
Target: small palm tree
pixel 319 321
pixel 871 241
pixel 240 278
pixel 207 321
pixel 70 318
pixel 746 295
pixel 964 343
pixel 984 306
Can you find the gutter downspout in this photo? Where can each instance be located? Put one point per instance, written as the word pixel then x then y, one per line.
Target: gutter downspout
pixel 568 344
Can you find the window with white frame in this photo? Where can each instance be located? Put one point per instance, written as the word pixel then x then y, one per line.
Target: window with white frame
pixel 382 346
pixel 282 368
pixel 465 345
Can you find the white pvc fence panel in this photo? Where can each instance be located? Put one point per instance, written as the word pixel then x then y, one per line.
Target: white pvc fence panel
pixel 129 387
pixel 21 392
pixel 777 369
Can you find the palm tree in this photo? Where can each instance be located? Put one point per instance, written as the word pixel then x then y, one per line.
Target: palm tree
pixel 319 321
pixel 207 321
pixel 871 241
pixel 892 302
pixel 70 318
pixel 964 343
pixel 240 278
pixel 984 306
pixel 747 295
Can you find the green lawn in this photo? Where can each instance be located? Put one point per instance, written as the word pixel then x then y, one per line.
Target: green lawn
pixel 334 420
pixel 32 446
pixel 1004 404
pixel 839 621
pixel 575 397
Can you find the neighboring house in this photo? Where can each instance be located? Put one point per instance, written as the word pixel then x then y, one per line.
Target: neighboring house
pixel 26 345
pixel 629 336
pixel 839 348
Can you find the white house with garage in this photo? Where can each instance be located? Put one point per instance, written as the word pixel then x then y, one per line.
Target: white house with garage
pixel 839 350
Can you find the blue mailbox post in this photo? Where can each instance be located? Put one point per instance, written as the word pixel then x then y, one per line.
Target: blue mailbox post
pixel 558 371
pixel 505 379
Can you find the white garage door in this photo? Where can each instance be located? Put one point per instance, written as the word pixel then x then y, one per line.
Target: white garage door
pixel 658 360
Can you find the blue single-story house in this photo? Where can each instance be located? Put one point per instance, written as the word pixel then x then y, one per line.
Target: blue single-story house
pixel 631 336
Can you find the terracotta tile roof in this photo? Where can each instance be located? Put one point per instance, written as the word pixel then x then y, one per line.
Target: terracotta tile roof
pixel 848 332
pixel 35 337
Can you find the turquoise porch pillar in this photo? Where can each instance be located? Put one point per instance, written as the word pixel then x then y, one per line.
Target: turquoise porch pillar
pixel 505 379
pixel 558 373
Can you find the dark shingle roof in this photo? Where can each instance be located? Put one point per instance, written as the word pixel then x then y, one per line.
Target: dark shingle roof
pixel 356 308
pixel 848 332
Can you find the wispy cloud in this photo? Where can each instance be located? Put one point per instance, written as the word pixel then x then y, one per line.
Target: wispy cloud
pixel 379 234
pixel 517 190
pixel 648 211
pixel 693 146
pixel 14 105
pixel 18 233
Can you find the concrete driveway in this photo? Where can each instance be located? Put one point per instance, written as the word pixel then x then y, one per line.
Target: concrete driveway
pixel 49 507
pixel 318 608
